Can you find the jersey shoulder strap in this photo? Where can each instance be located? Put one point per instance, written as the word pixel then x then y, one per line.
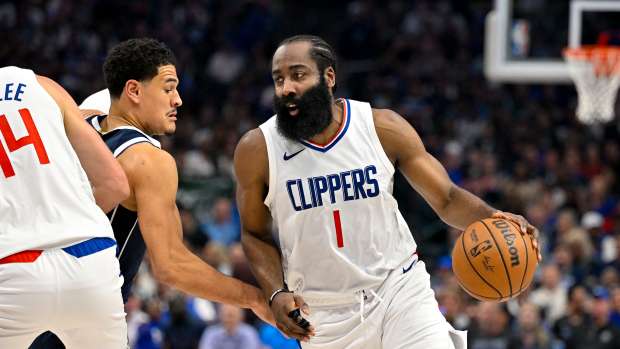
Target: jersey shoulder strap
pixel 121 138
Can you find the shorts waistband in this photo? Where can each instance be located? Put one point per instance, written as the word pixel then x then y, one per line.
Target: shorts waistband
pixel 28 256
pixel 89 247
pixel 78 250
pixel 353 297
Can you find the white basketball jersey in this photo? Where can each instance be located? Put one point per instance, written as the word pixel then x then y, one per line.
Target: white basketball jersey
pixel 45 197
pixel 338 224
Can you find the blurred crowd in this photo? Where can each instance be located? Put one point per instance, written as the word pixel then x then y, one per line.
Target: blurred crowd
pixel 519 147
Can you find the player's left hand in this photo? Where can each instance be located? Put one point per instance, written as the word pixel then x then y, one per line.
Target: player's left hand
pixel 525 228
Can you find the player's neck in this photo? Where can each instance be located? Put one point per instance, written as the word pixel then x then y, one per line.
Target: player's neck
pixel 119 117
pixel 334 126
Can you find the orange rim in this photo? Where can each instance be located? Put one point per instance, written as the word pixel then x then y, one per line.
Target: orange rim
pixel 605 59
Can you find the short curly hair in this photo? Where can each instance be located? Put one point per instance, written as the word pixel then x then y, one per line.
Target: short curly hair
pixel 138 59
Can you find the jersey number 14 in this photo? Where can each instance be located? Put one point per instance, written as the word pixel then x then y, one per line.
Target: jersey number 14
pixel 13 144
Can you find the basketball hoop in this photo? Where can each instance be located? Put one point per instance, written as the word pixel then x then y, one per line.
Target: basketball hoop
pixel 596 72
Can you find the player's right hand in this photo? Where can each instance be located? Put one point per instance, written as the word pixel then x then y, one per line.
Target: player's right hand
pixel 281 306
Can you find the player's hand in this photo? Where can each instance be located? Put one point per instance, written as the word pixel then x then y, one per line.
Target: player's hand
pixel 282 304
pixel 525 228
pixel 261 309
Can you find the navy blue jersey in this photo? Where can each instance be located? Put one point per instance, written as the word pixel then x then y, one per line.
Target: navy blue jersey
pixel 130 244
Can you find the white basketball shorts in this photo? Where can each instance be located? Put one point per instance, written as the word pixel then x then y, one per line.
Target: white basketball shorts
pixel 401 313
pixel 77 298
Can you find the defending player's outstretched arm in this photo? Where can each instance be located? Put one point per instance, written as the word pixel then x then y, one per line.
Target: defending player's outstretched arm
pixel 252 170
pixel 108 181
pixel 153 178
pixel 454 205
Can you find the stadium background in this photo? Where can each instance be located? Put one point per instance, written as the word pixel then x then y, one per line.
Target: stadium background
pixel 517 146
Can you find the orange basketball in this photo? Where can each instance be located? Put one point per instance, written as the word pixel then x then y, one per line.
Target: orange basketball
pixel 493 260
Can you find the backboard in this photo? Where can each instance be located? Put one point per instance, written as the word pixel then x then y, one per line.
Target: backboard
pixel 524 39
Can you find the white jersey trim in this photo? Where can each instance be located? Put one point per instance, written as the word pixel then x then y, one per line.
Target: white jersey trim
pixel 95 122
pixel 128 144
pixel 120 254
pixel 149 138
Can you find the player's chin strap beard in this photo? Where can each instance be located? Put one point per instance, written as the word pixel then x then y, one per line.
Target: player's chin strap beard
pixel 362 294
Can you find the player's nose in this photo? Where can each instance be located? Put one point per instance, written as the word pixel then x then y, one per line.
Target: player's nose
pixel 289 88
pixel 176 100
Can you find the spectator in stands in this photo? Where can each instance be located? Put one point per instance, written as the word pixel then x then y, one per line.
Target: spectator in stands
pixel 220 226
pixel 601 333
pixel 232 333
pixel 565 222
pixel 552 296
pixel 571 329
pixel 452 306
pixel 135 318
pixel 491 329
pixel 530 334
pixel 563 258
pixel 181 331
pixel 614 317
pixel 150 335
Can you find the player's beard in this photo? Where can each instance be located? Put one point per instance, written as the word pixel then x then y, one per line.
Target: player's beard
pixel 313 116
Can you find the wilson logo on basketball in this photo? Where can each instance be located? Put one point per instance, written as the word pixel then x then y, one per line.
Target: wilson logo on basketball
pixel 510 238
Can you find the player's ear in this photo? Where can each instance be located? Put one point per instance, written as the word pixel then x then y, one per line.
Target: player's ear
pixel 132 89
pixel 330 77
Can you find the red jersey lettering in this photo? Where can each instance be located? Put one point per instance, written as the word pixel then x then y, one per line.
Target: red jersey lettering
pixel 13 144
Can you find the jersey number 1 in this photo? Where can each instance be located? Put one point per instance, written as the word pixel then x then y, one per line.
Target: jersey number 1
pixel 13 144
pixel 338 225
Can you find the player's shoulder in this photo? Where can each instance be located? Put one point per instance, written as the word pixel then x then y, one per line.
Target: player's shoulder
pixel 396 134
pixel 47 82
pixel 147 153
pixel 387 119
pixel 251 159
pixel 252 141
pixel 57 92
pixel 145 157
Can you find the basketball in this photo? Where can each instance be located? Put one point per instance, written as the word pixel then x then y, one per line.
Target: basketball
pixel 493 260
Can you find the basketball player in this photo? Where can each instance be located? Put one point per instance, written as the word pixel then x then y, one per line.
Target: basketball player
pixel 142 81
pixel 58 269
pixel 322 170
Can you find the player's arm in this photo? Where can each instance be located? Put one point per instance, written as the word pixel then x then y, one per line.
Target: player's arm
pixel 252 171
pixel 454 205
pixel 107 178
pixel 153 178
pixel 86 113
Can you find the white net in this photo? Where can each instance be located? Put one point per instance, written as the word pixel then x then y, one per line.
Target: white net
pixel 596 72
